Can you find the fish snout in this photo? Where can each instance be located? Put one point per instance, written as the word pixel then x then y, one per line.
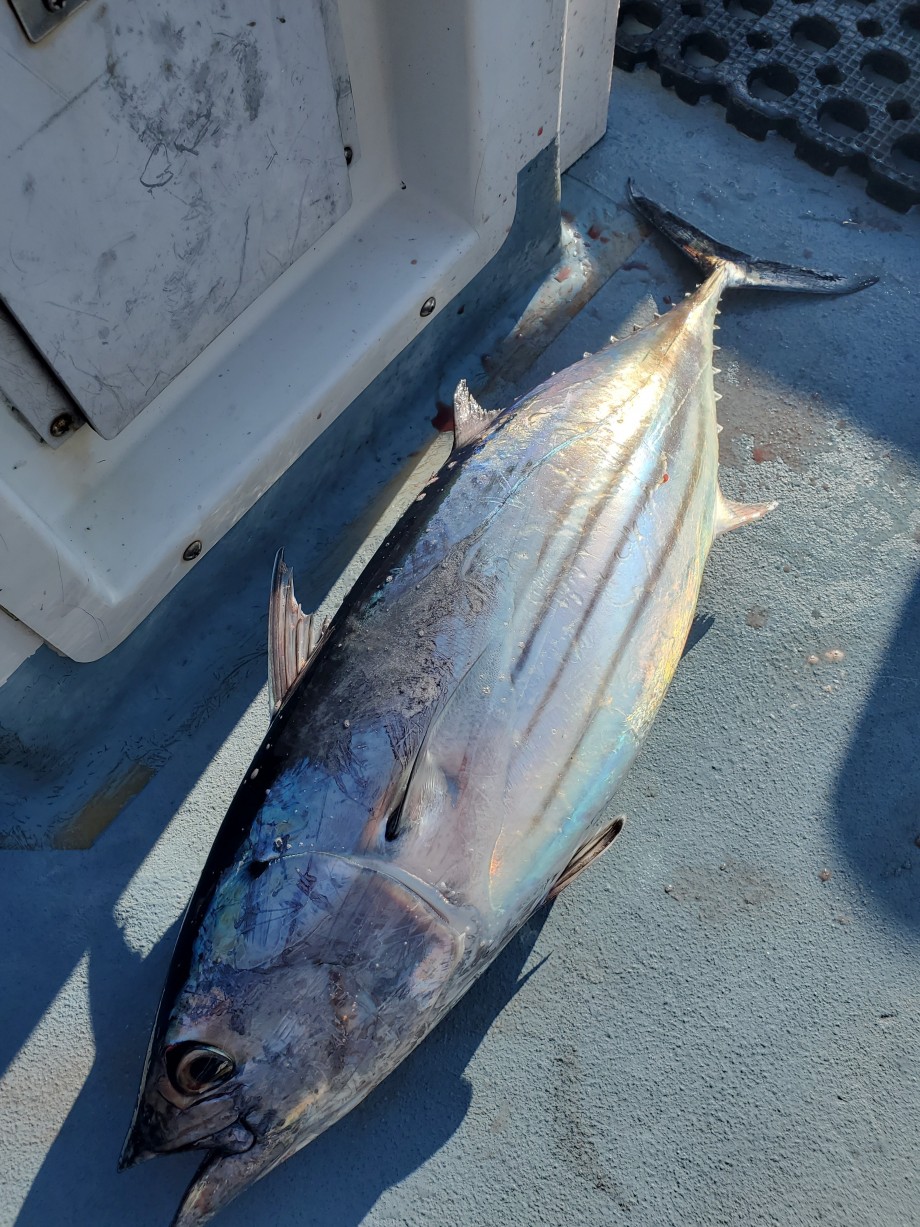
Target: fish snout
pixel 133 1152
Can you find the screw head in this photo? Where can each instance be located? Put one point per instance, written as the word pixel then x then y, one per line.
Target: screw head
pixel 427 307
pixel 192 550
pixel 61 424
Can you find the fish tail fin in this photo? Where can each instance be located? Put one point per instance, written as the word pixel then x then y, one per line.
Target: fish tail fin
pixel 743 270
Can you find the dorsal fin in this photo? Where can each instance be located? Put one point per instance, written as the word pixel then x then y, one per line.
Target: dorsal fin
pixel 293 636
pixel 470 419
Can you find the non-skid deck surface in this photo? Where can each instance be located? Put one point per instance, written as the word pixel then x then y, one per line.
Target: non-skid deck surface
pixel 718 1024
pixel 839 78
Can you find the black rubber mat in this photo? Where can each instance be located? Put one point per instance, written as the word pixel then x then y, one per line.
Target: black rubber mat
pixel 840 78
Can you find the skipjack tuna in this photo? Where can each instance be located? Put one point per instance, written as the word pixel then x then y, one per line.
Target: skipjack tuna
pixel 441 756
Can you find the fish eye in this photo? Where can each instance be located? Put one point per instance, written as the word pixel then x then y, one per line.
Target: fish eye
pixel 195 1068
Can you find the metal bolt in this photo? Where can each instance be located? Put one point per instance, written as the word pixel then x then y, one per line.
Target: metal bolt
pixel 61 424
pixel 192 550
pixel 349 154
pixel 427 307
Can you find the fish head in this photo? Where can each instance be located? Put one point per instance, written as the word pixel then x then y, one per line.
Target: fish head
pixel 298 984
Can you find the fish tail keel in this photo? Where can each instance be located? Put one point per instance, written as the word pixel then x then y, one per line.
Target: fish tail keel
pixel 742 270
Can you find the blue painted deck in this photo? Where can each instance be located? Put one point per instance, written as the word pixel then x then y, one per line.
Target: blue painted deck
pixel 719 1023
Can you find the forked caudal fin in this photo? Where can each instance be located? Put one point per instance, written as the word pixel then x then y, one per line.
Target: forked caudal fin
pixel 743 270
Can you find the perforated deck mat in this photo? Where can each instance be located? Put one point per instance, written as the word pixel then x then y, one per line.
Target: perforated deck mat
pixel 840 78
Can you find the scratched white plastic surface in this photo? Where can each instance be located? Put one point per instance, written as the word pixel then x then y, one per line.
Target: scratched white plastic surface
pixel 160 167
pixel 17 643
pixel 451 102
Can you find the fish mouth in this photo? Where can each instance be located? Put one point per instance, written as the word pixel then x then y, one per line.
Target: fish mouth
pixel 235 1139
pixel 133 1153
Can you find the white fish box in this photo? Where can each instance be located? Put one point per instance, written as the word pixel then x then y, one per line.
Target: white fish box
pixel 219 228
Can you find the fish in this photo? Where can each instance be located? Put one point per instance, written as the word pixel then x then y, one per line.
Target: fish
pixel 442 755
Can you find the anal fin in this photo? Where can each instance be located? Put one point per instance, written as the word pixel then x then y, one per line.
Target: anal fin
pixel 731 515
pixel 599 842
pixel 293 636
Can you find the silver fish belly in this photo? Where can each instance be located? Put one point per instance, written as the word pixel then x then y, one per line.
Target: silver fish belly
pixel 442 758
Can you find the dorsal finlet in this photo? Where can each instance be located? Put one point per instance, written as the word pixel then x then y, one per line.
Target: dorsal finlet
pixel 293 636
pixel 470 419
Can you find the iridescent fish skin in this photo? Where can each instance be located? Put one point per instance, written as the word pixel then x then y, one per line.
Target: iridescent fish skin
pixel 450 748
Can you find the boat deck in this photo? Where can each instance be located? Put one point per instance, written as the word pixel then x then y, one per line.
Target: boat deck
pixel 718 1024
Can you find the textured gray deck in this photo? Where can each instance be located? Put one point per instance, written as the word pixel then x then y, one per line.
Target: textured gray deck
pixel 703 1030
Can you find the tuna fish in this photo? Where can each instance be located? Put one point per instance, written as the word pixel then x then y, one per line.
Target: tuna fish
pixel 441 757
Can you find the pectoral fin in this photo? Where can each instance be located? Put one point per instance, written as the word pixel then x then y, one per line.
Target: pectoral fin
pixel 599 842
pixel 293 636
